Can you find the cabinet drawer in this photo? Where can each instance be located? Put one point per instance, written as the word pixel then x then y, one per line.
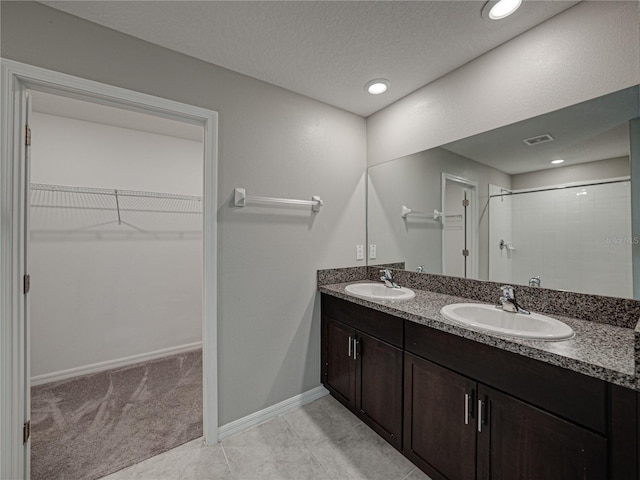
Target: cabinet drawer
pixel 377 324
pixel 568 394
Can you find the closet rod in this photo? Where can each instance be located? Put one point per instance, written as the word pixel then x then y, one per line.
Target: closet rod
pixel 113 192
pixel 110 209
pixel 241 198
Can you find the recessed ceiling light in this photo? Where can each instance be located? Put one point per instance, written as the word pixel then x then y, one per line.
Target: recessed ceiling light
pixel 501 9
pixel 557 162
pixel 377 86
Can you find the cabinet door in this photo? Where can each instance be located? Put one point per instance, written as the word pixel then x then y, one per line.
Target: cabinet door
pixel 340 368
pixel 439 420
pixel 518 440
pixel 379 387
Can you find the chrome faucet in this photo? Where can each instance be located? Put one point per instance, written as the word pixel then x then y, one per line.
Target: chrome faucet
pixel 508 301
pixel 534 281
pixel 387 278
pixel 420 268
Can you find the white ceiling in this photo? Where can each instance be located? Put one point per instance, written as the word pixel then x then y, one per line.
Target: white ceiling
pixel 326 50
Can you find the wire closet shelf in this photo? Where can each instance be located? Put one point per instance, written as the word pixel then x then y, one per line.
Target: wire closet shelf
pixel 113 213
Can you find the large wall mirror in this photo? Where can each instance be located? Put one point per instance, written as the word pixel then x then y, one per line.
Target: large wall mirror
pixel 502 206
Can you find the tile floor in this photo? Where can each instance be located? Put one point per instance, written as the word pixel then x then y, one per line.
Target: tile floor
pixel 319 441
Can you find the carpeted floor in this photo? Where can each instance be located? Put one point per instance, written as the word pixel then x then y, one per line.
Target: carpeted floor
pixel 87 427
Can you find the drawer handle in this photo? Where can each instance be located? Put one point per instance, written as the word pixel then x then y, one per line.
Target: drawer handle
pixel 480 404
pixel 349 346
pixel 355 349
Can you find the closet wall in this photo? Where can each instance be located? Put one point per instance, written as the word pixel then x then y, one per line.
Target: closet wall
pixel 100 300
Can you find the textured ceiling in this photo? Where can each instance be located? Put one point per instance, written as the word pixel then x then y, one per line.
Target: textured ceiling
pixel 325 50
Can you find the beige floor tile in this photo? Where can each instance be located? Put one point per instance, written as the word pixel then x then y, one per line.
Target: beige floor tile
pixel 324 419
pixel 417 474
pixel 206 463
pixel 320 441
pixel 361 455
pixel 271 451
pixel 166 466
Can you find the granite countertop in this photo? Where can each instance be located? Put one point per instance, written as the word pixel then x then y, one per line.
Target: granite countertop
pixel 597 350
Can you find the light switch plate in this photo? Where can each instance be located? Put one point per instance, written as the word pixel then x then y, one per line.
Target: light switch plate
pixel 359 252
pixel 372 252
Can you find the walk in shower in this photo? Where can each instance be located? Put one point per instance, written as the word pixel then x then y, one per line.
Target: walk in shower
pixel 573 237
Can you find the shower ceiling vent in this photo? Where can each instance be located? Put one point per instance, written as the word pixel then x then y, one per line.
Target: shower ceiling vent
pixel 538 139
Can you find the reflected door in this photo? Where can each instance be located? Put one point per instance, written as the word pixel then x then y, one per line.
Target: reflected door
pixel 458 228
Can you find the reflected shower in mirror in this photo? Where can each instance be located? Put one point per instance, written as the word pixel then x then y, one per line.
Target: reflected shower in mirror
pixel 494 207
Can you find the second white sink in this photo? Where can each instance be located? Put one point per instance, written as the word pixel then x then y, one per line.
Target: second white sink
pixel 479 316
pixel 379 291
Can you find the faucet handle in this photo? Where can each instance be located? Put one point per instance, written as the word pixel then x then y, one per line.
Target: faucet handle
pixel 507 291
pixel 386 271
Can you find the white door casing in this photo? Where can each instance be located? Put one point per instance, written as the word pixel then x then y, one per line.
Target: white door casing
pixel 14 181
pixel 470 224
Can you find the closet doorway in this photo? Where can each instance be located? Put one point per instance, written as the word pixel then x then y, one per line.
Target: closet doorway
pixel 116 259
pixel 19 285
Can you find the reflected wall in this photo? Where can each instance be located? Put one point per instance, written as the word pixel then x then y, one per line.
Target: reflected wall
pixel 415 181
pixel 577 240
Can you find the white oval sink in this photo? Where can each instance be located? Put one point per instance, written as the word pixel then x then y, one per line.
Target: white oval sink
pixel 488 318
pixel 379 291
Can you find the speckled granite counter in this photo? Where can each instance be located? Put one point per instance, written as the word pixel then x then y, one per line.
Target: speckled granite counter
pixel 598 350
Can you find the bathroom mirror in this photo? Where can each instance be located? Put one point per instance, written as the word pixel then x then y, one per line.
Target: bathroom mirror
pixel 493 207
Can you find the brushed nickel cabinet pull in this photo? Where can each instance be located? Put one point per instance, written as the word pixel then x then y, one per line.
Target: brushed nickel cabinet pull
pixel 467 399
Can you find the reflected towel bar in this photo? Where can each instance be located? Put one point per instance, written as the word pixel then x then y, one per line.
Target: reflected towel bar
pixel 241 198
pixel 407 211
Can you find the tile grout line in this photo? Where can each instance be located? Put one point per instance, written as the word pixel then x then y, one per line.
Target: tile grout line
pixel 225 458
pixel 295 432
pixel 409 474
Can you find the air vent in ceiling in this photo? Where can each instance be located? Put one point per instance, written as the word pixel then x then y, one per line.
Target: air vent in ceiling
pixel 538 139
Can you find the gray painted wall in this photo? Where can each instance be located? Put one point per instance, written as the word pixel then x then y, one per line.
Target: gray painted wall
pixel 584 52
pixel 601 169
pixel 272 142
pixel 415 181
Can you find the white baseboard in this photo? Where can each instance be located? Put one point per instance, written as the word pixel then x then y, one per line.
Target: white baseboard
pixel 262 416
pixel 109 364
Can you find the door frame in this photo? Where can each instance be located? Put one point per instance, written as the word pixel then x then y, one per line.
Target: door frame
pixel 473 221
pixel 16 78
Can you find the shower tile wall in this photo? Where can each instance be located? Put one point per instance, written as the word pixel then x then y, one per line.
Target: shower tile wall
pixel 576 239
pixel 500 229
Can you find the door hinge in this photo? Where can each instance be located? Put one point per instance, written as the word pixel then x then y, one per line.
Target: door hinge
pixel 26 431
pixel 465 202
pixel 465 253
pixel 26 284
pixel 27 135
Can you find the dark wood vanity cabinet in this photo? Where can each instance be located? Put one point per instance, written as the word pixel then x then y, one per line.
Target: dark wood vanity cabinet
pixel 518 440
pixel 535 421
pixel 456 428
pixel 439 425
pixel 362 369
pixel 339 367
pixel 469 411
